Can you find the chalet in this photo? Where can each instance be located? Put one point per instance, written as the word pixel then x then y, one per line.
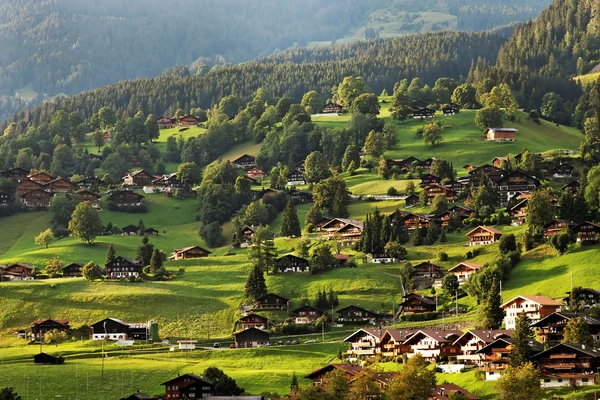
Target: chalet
pixel 72 270
pixel 248 233
pixel 130 230
pixel 319 375
pixel 265 193
pixel 123 267
pixel 415 303
pixel 435 190
pixel 291 263
pixel 151 232
pixel 39 328
pixel 451 109
pixel 426 164
pixel 90 197
pixel 27 185
pixel 426 270
pixel 168 180
pixel 433 345
pixel 272 301
pixel 518 212
pixel 568 364
pixel 415 221
pixel 189 252
pixel 345 230
pixel 37 198
pixel 61 185
pixel 244 162
pixel 494 356
pixel 422 113
pixel 15 174
pixel 188 120
pixel 296 178
pixel 90 182
pixel 500 134
pixel 306 315
pixel 47 359
pixel 556 226
pixel 404 164
pixel 516 182
pixel 251 337
pixel 470 167
pixel 300 166
pixel 464 270
pixel 393 342
pixel 572 186
pixel 447 215
pixel 447 391
pixel 586 232
pixel 411 200
pixel 536 308
pixel 364 342
pixel 188 386
pixel 16 272
pixel 563 171
pixel 254 321
pixel 585 297
pixel 356 314
pixel 109 328
pixel 429 179
pixel 483 235
pixel 497 161
pixel 141 396
pixel 493 173
pixel 550 329
pixel 125 198
pixel 41 177
pixel 332 108
pixel 474 340
pixel 255 173
pixel 166 122
pixel 454 185
pixel 300 196
pixel 138 178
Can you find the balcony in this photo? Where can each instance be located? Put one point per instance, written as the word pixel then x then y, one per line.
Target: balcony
pixel 366 352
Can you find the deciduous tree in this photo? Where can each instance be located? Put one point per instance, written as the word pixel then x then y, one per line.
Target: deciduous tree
pixel 85 223
pixel 520 383
pixel 46 237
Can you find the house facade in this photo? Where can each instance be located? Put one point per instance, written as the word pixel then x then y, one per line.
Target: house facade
pixel 556 226
pixel 568 364
pixel 364 342
pixel 306 315
pixel 271 301
pixel 251 337
pixel 435 190
pixel 123 267
pixel 332 108
pixel 550 329
pixel 137 178
pixel 296 178
pixel 415 303
pixel 514 183
pixel 125 198
pixel 188 386
pixel 355 314
pixel 254 321
pixel 291 263
pixel 16 272
pixel 189 252
pixel 483 235
pixel 72 270
pixel 37 199
pixel 39 328
pixel 586 232
pixel 61 185
pixel 501 134
pixel 245 162
pixel 536 308
pixel 432 344
pixel 464 270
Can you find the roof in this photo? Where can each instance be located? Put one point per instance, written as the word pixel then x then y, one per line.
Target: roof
pixel 272 294
pixel 341 257
pixel 375 332
pixel 582 348
pixel 355 307
pixel 185 249
pixel 589 320
pixel 346 221
pixel 60 321
pixel 502 129
pixel 422 297
pixel 533 344
pixel 441 392
pixel 253 315
pixel 348 368
pixel 200 378
pixel 486 336
pixel 468 265
pixel 486 228
pixel 400 335
pixel 306 307
pixel 242 157
pixel 440 336
pixel 541 300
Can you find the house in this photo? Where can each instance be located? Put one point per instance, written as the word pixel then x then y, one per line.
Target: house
pixel 137 178
pixel 271 301
pixel 130 230
pixel 405 164
pixel 4 199
pixel 27 185
pixel 244 162
pixel 72 270
pixel 61 185
pixel 415 221
pixel 248 233
pixel 255 173
pixel 254 321
pixel 189 252
pixel 556 226
pixel 265 193
pixel 562 171
pixel 451 109
pixel 464 270
pixel 435 190
pixel 423 113
pixel 344 230
pixel 300 196
pixel 109 328
pixel 428 179
pixel 454 185
pixel 572 186
pixel 140 396
pixel 500 134
pixel 456 212
pixel 356 314
pixel 568 364
pixel 415 303
pixel 586 297
pixel 332 108
pixel 306 315
pixel 474 340
pixel 518 212
pixel 123 267
pixel 426 164
pixel 586 232
pixel 16 272
pixel 107 136
pixel 188 120
pixel 90 182
pixel 296 178
pixel 494 356
pixel 15 174
pixel 497 161
pixel 37 198
pixel 187 344
pixel 92 198
pixel 411 200
pixel 42 177
pixel 447 391
pixel 251 337
pixel 536 308
pixel 493 173
pixel 291 263
pixel 39 328
pixel 125 198
pixel 516 182
pixel 426 270
pixel 188 386
pixel 166 122
pixel 393 342
pixel 47 359
pixel 319 375
pixel 432 344
pixel 151 232
pixel 550 329
pixel 168 181
pixel 483 235
pixel 364 342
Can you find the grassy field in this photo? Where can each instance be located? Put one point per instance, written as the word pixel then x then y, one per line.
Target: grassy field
pixel 588 79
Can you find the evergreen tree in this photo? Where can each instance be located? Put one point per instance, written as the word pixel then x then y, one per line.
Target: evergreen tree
pixel 491 310
pixel 521 352
pixel 156 262
pixel 290 226
pixel 110 254
pixel 294 384
pixel 577 331
pixel 144 252
pixel 255 285
pixel 141 228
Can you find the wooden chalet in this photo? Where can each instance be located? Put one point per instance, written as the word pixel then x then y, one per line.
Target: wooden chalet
pixel 300 196
pixel 265 193
pixel 474 340
pixel 27 185
pixel 435 190
pixel 332 108
pixel 166 122
pixel 37 198
pixel 125 198
pixel 291 263
pixel 16 272
pixel 168 180
pixel 497 161
pixel 244 162
pixel 518 212
pixel 15 174
pixel 188 386
pixel 356 314
pixel 364 342
pixel 411 200
pixel 447 391
pixel 494 356
pixel 416 303
pixel 426 269
pixel 130 230
pixel 550 329
pixel 189 253
pixel 572 186
pixel 251 337
pixel 254 321
pixel 455 185
pixel 255 173
pixel 470 167
pixel 295 178
pixel 319 375
pixel 61 185
pixel 416 221
pixel 428 179
pixel 392 342
pixel 271 301
pixel 90 197
pixel 563 171
pixel 433 344
pixel 426 164
pixel 72 270
pixel 483 235
pixel 47 359
pixel 39 328
pixel 138 178
pixel 123 268
pixel 423 113
pixel 451 109
pixel 587 297
pixel 188 120
pixel 248 233
pixel 306 315
pixel 459 212
pixel 151 232
pixel 536 308
pixel 404 164
pixel 347 231
pixel 90 182
pixel 42 177
pixel 464 270
pixel 568 364
pixel 586 232
pixel 556 226
pixel 501 134
pixel 516 182
pixel 109 328
pixel 493 173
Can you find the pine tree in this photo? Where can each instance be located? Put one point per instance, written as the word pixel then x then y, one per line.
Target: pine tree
pixel 313 216
pixel 110 254
pixel 491 310
pixel 290 226
pixel 294 384
pixel 144 252
pixel 141 227
pixel 522 334
pixel 255 285
pixel 156 262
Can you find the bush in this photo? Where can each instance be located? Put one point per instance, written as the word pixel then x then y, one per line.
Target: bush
pixel 443 256
pixel 426 316
pixel 392 191
pixel 129 209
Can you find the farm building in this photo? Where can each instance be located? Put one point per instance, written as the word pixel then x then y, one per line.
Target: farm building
pixel 189 252
pixel 483 235
pixel 251 337
pixel 501 134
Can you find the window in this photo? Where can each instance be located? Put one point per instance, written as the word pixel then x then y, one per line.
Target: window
pixel 547 380
pixel 560 381
pixel 584 380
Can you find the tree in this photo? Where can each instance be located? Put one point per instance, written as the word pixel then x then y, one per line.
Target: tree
pixel 85 223
pixel 337 385
pixel 507 243
pixel 491 311
pixel 8 393
pixel 553 107
pixel 489 118
pixel 224 385
pixel 366 103
pixel 156 262
pixel 465 96
pixel 432 133
pixel 213 235
pixel 501 96
pixel 62 206
pixel 520 383
pixel 439 204
pixel 189 174
pixel 521 351
pixel 98 139
pixel 290 225
pixel 313 216
pixel 107 117
pixel 294 383
pixel 255 285
pixel 350 88
pixel 352 154
pixel 263 252
pixel 364 386
pixel 577 331
pixel 110 254
pixel 540 209
pixel 560 242
pixel 332 195
pixel 144 252
pixel 230 105
pixel 312 102
pixel 374 145
pixel 316 167
pixel 322 259
pixel 450 284
pixel 91 271
pixel 46 237
pixel 416 381
pixel 53 267
pixel 395 250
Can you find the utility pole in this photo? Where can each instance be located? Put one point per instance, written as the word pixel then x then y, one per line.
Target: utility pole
pixel 323 332
pixel 457 303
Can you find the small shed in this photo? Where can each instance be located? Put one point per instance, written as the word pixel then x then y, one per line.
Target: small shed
pixel 47 359
pixel 187 344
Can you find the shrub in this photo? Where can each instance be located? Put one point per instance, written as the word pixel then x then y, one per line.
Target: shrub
pixel 426 316
pixel 392 191
pixel 443 256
